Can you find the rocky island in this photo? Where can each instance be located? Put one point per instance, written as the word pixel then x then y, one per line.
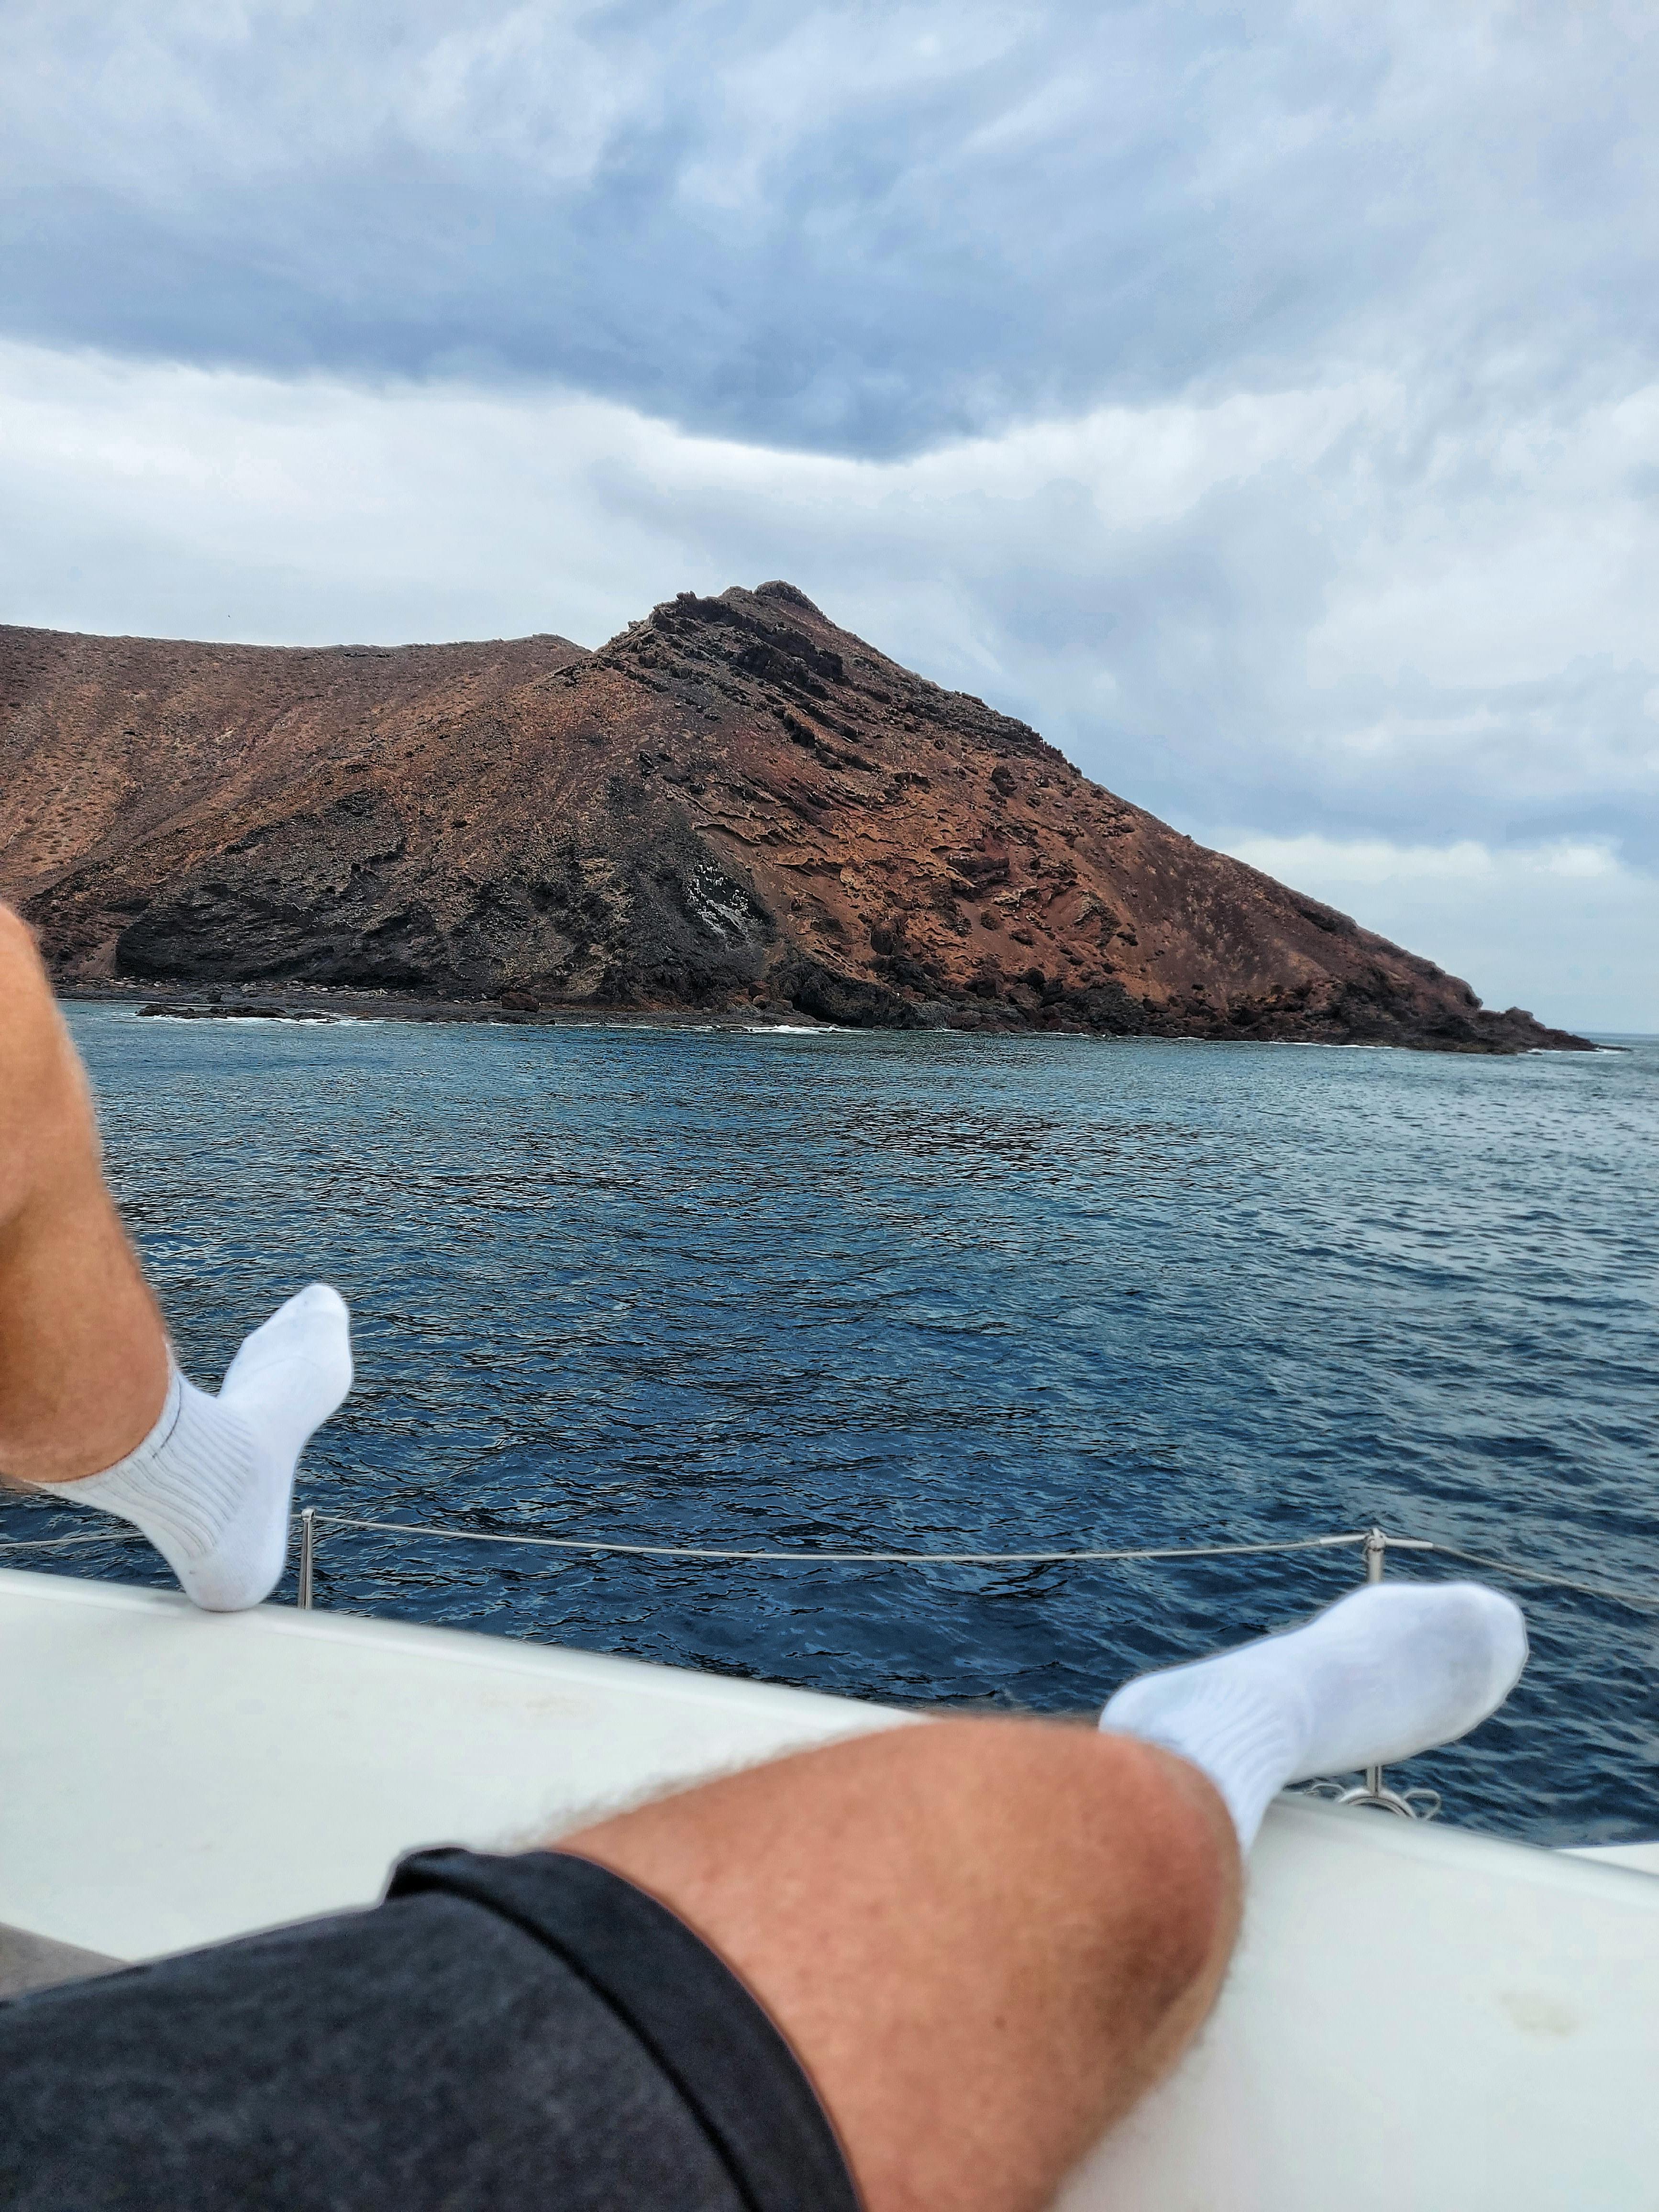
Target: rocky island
pixel 733 805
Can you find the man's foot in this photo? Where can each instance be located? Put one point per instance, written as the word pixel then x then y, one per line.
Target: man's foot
pixel 1390 1671
pixel 212 1483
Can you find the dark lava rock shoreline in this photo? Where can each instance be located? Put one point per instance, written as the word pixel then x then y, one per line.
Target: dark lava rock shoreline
pixel 322 1003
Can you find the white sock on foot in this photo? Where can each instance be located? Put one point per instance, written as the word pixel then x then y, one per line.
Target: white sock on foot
pixel 1385 1673
pixel 211 1484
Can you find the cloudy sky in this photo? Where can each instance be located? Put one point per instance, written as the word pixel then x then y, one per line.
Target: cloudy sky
pixel 1261 400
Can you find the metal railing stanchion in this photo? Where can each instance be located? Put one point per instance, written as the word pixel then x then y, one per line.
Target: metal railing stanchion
pixel 306 1598
pixel 1376 1552
pixel 1373 1790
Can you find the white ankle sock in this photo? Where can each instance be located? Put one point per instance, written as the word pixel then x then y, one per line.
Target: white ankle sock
pixel 1387 1672
pixel 211 1484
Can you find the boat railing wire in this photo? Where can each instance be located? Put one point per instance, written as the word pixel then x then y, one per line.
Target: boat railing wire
pixel 311 1523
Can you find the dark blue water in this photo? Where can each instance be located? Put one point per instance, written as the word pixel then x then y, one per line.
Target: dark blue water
pixel 935 1291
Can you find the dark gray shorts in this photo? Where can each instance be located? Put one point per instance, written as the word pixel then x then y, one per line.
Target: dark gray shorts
pixel 500 2034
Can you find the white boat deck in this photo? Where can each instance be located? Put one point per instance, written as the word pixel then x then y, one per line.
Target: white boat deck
pixel 1416 2016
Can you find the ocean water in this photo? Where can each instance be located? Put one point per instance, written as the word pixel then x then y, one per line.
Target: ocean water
pixel 923 1292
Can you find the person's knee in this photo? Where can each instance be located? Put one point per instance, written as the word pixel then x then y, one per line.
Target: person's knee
pixel 1114 1847
pixel 1171 1836
pixel 1072 1801
pixel 1011 1925
pixel 1095 1883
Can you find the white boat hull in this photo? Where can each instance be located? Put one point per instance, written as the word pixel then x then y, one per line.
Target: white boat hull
pixel 1417 2016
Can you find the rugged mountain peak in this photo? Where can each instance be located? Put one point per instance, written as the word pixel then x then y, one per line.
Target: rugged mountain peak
pixel 732 801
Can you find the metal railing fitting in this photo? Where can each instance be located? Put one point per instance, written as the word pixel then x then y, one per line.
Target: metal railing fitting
pixel 1372 1791
pixel 306 1597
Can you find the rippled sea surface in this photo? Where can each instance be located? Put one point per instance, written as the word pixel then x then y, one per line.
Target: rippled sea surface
pixel 924 1292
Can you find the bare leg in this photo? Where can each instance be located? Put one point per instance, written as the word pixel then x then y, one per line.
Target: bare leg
pixel 87 1386
pixel 83 1360
pixel 984 1939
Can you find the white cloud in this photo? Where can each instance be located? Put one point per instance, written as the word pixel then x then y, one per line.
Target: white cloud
pixel 1252 592
pixel 1567 930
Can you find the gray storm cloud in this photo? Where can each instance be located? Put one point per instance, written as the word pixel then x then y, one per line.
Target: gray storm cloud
pixel 859 229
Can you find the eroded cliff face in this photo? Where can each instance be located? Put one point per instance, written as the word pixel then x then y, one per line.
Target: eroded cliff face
pixel 734 801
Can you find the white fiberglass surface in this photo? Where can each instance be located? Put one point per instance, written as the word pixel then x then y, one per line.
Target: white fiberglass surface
pixel 172 1777
pixel 1416 2016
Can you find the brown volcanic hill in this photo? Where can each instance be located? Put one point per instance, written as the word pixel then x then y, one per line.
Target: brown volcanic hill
pixel 733 801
